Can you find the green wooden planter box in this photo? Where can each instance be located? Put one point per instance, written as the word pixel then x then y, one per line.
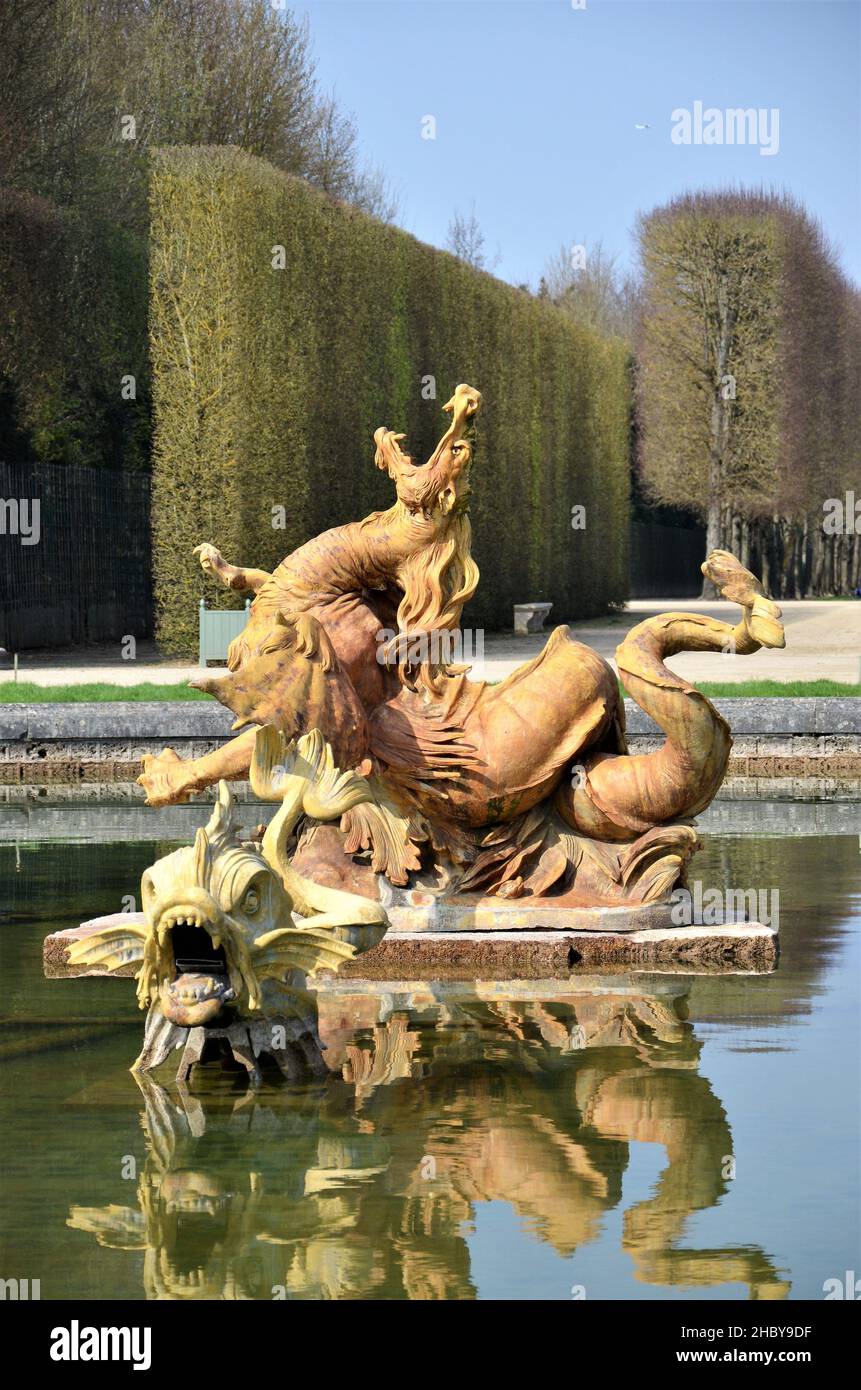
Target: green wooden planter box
pixel 218 627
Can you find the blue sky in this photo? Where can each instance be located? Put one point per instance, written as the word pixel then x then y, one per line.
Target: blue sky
pixel 536 104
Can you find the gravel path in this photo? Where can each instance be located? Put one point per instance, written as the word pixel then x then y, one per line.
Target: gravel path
pixel 823 642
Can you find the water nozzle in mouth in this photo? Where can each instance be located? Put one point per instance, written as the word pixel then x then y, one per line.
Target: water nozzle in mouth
pixel 195 967
pixel 195 950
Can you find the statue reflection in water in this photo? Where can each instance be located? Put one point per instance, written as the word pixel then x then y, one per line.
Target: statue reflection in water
pixel 439 1098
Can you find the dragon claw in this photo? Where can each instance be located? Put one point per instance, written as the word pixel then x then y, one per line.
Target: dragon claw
pixel 166 778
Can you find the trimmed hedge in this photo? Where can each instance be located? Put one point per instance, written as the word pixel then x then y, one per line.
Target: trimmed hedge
pixel 72 330
pixel 268 384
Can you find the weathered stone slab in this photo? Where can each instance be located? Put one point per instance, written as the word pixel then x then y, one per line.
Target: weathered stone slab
pixel 14 723
pixel 736 947
pixel 837 716
pixel 204 719
pixel 746 946
pixel 47 744
pixel 770 715
pixel 416 910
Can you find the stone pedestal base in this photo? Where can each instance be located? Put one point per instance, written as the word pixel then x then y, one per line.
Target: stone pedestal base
pixel 293 1044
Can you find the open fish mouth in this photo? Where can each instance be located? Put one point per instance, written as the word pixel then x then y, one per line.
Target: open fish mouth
pixel 200 988
pixel 197 966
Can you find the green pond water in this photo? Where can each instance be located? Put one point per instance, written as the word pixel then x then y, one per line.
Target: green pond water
pixel 637 1136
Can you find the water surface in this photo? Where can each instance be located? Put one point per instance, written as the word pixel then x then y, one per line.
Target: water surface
pixel 635 1136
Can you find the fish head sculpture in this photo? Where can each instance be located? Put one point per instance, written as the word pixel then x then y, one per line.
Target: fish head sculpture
pixel 224 916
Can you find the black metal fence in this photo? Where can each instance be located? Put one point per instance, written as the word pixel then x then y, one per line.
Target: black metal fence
pixel 74 555
pixel 665 560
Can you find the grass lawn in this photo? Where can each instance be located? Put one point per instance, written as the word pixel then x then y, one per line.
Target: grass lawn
pixel 28 693
pixel 753 689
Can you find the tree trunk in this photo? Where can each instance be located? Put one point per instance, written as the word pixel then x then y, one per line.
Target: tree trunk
pixel 817 562
pixel 792 531
pixel 799 562
pixel 764 557
pixel 713 541
pixel 734 531
pixel 776 542
pixel 844 565
pixel 720 422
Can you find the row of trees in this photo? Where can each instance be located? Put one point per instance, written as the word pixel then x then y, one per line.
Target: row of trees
pixel 746 342
pixel 749 366
pixel 89 88
pixel 745 335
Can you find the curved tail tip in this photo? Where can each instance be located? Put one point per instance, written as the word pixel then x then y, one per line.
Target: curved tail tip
pixel 764 624
pixel 737 584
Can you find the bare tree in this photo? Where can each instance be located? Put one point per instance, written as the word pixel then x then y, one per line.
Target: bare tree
pixel 211 72
pixel 747 353
pixel 587 284
pixel 465 239
pixel 372 191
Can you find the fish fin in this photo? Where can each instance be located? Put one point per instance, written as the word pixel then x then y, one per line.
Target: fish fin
pixel 269 773
pixel 222 826
pixel 278 765
pixel 299 948
pixel 109 949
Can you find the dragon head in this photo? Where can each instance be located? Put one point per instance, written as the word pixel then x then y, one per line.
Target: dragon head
pixel 442 482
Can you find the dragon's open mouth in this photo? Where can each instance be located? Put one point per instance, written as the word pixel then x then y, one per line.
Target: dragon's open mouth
pixel 389 449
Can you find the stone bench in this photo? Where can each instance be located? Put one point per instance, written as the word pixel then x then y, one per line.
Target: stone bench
pixel 530 617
